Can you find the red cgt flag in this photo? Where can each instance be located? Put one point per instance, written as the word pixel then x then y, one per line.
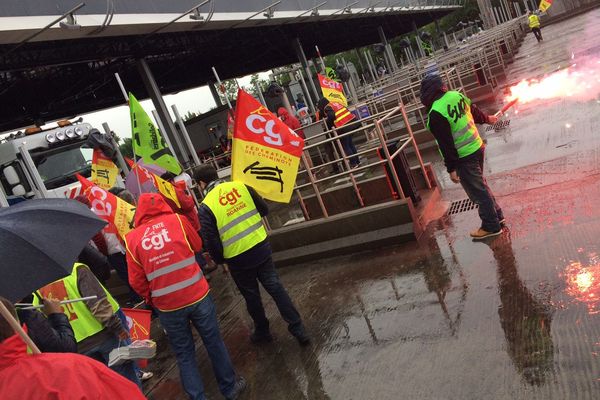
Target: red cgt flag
pixel 117 212
pixel 266 152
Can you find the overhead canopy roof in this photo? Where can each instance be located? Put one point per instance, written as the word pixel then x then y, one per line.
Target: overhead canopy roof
pixel 65 72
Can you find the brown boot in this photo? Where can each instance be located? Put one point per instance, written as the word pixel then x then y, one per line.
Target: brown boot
pixel 480 234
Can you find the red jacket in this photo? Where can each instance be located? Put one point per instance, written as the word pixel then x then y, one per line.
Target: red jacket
pixel 160 256
pixel 291 121
pixel 59 376
pixel 188 205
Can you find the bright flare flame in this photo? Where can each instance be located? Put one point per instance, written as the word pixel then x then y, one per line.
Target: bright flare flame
pixel 582 83
pixel 583 283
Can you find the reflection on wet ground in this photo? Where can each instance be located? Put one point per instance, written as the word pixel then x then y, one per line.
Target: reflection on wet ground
pixel 447 318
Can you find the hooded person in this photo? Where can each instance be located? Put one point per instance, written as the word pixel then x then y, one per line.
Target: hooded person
pixel 451 119
pixel 163 270
pixel 109 244
pixel 326 111
pixel 291 121
pixel 64 376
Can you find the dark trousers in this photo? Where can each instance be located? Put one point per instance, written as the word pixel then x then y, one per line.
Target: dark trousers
pixel 350 150
pixel 247 281
pixel 119 263
pixel 101 353
pixel 470 172
pixel 538 34
pixel 331 154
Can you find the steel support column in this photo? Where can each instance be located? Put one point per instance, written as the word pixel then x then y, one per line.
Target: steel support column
pixel 161 108
pixel 388 49
pixel 215 94
pixel 302 58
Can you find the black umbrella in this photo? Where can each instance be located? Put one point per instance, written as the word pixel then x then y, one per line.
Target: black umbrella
pixel 39 242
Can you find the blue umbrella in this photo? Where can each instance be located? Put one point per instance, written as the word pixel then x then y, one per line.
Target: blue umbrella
pixel 39 242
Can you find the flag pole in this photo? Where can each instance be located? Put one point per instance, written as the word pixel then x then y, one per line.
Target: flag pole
pixel 220 84
pixel 17 328
pixel 137 177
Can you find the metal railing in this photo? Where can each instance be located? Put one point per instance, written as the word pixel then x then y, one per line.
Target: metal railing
pixel 334 138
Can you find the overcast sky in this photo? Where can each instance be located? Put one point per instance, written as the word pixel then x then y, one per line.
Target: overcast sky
pixel 196 100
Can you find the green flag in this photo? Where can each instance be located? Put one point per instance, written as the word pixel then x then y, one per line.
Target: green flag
pixel 147 140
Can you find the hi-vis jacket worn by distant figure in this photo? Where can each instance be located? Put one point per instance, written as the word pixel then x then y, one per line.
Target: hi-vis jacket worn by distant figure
pixel 534 21
pixel 160 256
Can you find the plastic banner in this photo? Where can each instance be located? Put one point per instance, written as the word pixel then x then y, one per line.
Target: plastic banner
pixel 544 5
pixel 118 213
pixel 332 90
pixel 148 143
pixel 140 180
pixel 104 170
pixel 138 322
pixel 266 152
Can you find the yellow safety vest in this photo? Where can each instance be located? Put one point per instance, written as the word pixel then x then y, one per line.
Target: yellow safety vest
pixel 456 108
pixel 82 320
pixel 534 21
pixel 238 221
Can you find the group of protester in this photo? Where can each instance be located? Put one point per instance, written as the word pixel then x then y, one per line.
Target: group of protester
pixel 162 261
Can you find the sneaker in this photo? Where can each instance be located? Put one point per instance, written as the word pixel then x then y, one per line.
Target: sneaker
pixel 502 221
pixel 303 339
pixel 238 388
pixel 145 375
pixel 480 234
pixel 258 338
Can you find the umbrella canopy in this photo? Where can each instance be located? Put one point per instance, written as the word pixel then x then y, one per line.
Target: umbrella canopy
pixel 40 240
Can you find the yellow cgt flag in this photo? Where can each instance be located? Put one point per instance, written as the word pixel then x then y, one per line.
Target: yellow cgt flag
pixel 544 5
pixel 266 153
pixel 104 170
pixel 166 189
pixel 332 90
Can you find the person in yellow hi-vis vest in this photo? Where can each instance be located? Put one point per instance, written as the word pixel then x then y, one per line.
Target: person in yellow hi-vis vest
pixel 534 24
pixel 233 233
pixel 451 119
pixel 96 324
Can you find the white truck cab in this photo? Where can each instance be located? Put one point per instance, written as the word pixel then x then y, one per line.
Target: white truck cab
pixel 39 163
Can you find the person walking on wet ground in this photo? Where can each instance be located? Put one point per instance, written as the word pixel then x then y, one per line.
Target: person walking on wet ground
pixel 163 270
pixel 339 120
pixel 233 233
pixel 451 120
pixel 534 24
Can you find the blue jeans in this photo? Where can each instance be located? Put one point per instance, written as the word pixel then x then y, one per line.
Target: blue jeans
pixel 470 172
pixel 127 341
pixel 101 353
pixel 247 280
pixel 204 318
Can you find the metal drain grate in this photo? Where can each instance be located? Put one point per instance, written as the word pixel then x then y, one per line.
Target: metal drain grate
pixel 460 206
pixel 499 125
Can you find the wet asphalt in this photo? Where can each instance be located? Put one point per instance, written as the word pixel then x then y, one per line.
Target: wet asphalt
pixel 515 317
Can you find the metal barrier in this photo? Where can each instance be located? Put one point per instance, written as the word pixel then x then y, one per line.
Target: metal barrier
pixel 333 136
